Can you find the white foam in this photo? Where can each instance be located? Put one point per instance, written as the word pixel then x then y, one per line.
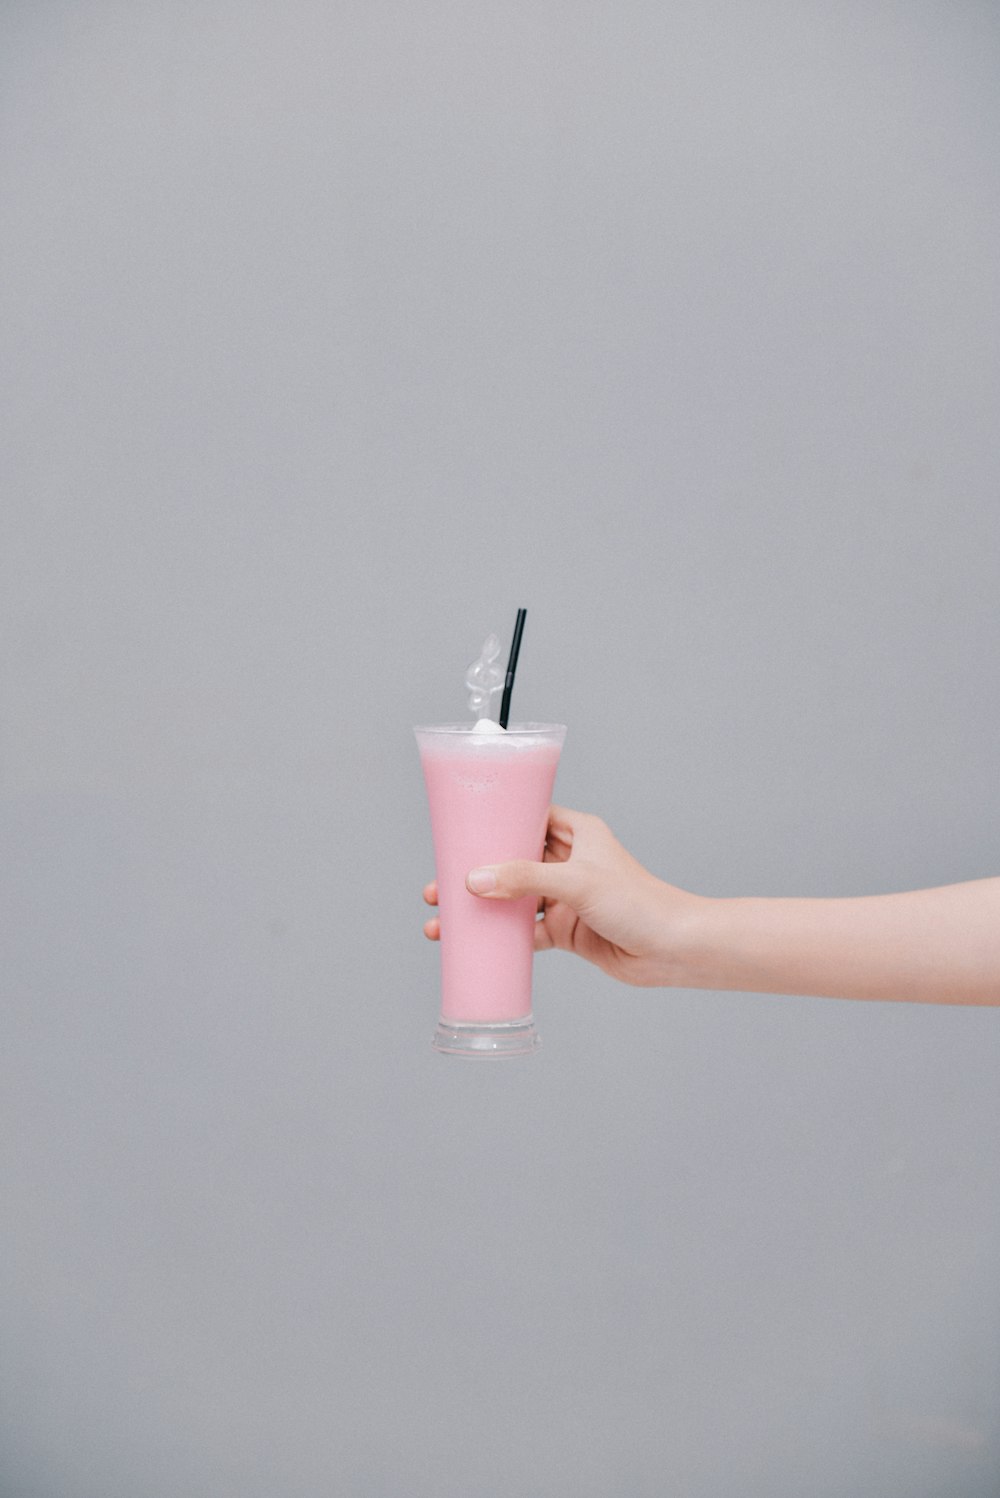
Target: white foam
pixel 487 737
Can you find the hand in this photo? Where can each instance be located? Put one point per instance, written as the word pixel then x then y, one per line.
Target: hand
pixel 930 946
pixel 594 899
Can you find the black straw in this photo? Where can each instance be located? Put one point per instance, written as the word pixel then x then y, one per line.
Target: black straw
pixel 515 647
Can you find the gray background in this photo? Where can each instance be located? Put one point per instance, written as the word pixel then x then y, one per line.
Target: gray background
pixel 333 333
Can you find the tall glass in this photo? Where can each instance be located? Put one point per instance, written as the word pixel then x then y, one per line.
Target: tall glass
pixel 489 797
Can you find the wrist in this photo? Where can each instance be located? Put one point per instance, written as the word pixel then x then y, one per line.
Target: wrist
pixel 689 950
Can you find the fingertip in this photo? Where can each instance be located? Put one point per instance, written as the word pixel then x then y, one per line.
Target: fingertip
pixel 432 929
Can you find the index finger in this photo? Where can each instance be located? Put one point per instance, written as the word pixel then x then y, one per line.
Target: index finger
pixel 562 824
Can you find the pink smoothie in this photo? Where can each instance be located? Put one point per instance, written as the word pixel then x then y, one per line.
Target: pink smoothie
pixel 489 800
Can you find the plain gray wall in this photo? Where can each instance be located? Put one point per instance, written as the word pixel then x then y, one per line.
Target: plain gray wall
pixel 333 333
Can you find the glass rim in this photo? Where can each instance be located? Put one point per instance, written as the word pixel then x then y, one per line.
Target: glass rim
pixel 513 730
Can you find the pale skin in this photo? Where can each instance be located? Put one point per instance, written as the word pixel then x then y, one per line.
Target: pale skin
pixel 926 946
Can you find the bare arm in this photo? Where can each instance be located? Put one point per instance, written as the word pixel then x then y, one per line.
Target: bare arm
pixel 930 946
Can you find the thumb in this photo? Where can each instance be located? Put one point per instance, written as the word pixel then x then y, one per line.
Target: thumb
pixel 512 881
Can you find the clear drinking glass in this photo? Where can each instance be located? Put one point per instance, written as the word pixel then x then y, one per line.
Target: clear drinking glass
pixel 489 796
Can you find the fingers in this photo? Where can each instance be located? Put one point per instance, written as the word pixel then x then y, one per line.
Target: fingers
pixel 568 827
pixel 558 880
pixel 563 826
pixel 543 937
pixel 557 847
pixel 432 928
pixel 558 877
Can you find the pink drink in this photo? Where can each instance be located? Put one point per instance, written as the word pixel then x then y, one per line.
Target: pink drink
pixel 489 798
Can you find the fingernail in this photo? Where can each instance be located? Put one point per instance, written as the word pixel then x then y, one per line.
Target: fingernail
pixel 481 881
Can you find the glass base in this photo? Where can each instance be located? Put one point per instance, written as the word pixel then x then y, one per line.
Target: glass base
pixel 516 1037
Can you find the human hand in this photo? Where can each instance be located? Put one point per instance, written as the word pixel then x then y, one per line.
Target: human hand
pixel 594 899
pixel 939 946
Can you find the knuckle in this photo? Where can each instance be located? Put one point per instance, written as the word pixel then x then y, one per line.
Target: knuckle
pixel 513 878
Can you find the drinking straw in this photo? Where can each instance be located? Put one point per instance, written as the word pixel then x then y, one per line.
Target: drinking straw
pixel 515 646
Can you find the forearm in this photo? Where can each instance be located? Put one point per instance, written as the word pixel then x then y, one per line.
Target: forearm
pixel 929 946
